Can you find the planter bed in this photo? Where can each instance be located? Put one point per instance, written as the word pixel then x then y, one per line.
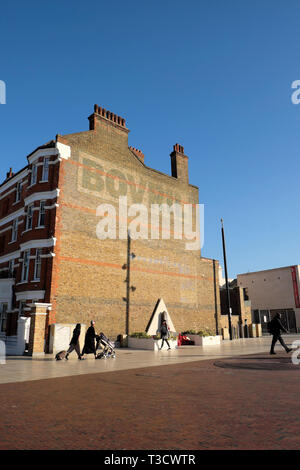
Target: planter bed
pixel 150 344
pixel 205 340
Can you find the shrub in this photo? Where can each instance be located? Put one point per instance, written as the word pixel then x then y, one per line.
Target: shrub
pixel 141 334
pixel 202 332
pixel 205 332
pixel 144 335
pixel 190 332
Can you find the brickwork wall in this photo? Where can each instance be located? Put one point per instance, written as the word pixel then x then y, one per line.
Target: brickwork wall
pixel 88 281
pixel 240 310
pixel 37 334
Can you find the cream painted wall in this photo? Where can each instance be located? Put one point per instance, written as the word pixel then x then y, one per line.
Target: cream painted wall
pixel 271 289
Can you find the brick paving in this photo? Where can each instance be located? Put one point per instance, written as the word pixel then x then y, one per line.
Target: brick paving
pixel 248 402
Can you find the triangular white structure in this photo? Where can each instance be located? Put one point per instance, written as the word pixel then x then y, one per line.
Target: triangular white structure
pixel 155 321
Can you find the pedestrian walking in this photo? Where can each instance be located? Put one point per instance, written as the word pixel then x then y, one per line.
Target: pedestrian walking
pixel 74 344
pixel 275 328
pixel 89 342
pixel 165 334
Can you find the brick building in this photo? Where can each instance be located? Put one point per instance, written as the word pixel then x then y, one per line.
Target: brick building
pixel 240 305
pixel 55 269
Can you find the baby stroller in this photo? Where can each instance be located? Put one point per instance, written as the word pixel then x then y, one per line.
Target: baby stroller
pixel 108 350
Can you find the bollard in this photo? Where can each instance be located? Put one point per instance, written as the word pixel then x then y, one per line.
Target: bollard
pixel 2 352
pixel 258 330
pixel 225 333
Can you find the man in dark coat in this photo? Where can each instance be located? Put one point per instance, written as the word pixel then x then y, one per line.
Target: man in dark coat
pixel 74 344
pixel 89 343
pixel 276 327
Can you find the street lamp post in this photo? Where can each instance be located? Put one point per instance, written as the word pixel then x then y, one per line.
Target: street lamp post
pixel 227 287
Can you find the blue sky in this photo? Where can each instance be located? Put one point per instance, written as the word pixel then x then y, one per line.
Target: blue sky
pixel 212 75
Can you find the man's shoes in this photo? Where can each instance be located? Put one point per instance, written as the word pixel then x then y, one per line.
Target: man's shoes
pixel 272 352
pixel 288 350
pixel 169 349
pixel 66 358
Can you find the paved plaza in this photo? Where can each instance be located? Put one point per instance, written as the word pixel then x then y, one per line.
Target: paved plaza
pixel 235 396
pixel 20 369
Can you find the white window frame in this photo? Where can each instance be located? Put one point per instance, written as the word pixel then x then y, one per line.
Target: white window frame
pixel 42 206
pixel 45 176
pixel 14 232
pixel 19 191
pixel 38 264
pixel 11 267
pixel 34 171
pixel 26 266
pixel 29 218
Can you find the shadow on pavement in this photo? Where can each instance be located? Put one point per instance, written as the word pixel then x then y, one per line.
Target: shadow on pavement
pixel 259 363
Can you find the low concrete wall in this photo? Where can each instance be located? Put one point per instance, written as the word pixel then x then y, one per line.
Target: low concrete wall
pixel 205 340
pixel 61 335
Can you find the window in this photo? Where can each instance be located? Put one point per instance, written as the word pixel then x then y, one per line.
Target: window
pixel 38 264
pixel 26 261
pixel 33 174
pixel 29 217
pixel 46 169
pixel 19 192
pixel 42 214
pixel 245 292
pixel 5 208
pixel 14 234
pixel 256 316
pixel 3 317
pixel 2 244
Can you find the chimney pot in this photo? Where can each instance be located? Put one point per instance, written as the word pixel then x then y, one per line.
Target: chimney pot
pixel 9 174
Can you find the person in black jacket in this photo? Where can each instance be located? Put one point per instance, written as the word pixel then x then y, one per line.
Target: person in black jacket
pixel 164 331
pixel 74 344
pixel 276 329
pixel 89 342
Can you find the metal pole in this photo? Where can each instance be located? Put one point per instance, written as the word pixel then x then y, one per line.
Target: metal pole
pixel 226 279
pixel 128 284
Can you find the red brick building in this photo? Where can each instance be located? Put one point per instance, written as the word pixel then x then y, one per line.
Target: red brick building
pixel 27 242
pixel 54 268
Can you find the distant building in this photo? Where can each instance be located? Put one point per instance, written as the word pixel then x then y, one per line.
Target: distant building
pixel 271 291
pixel 222 280
pixel 240 304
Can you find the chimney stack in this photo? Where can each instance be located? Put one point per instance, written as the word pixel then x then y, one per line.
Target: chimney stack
pixel 101 114
pixel 108 126
pixel 138 153
pixel 179 164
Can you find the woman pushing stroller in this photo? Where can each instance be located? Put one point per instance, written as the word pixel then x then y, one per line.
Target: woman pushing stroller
pixel 89 342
